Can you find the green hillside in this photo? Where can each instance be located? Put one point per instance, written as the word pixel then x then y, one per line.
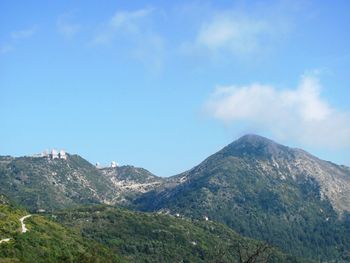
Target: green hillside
pixel 41 183
pixel 149 237
pixel 100 233
pixel 45 241
pixel 266 191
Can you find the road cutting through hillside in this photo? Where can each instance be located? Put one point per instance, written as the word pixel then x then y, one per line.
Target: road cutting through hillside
pixel 23 226
pixel 24 229
pixel 5 240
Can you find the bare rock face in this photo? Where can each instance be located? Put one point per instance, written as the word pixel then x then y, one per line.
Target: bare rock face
pixel 46 183
pixel 267 191
pixel 129 181
pixel 334 180
pixel 285 162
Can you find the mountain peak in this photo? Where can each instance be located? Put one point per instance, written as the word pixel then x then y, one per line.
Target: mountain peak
pixel 255 145
pixel 254 138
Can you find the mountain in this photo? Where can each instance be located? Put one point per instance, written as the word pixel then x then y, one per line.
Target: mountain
pixel 150 237
pixel 257 187
pixel 44 240
pixel 267 191
pixel 41 183
pixel 129 182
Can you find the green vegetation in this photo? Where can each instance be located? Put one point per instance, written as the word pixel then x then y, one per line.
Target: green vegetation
pixel 240 187
pixel 100 233
pixel 45 241
pixel 262 190
pixel 39 183
pixel 9 220
pixel 149 237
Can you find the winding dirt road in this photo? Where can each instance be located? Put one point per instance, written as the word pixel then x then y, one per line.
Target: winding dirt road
pixel 24 229
pixel 5 240
pixel 23 225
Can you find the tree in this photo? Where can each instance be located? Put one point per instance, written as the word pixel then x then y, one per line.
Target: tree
pixel 260 254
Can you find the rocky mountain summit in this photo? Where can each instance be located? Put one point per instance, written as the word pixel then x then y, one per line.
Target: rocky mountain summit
pixel 283 162
pixel 280 163
pixel 267 191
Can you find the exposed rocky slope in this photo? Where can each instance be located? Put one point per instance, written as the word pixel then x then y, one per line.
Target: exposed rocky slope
pixel 41 183
pixel 267 191
pixel 282 163
pixel 129 182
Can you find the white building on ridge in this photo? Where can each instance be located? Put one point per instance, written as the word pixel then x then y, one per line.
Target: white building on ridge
pixel 113 164
pixel 54 154
pixel 63 155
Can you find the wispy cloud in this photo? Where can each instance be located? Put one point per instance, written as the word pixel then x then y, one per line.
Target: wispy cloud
pixel 300 114
pixel 15 37
pixel 129 22
pixel 6 48
pixel 66 27
pixel 25 33
pixel 238 32
pixel 233 34
pixel 134 34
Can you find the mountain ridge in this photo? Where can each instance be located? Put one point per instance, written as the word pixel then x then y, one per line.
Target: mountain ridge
pixel 265 190
pixel 41 183
pixel 259 188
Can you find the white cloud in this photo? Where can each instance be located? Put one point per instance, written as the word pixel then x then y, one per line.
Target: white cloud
pixel 300 114
pixel 25 33
pixel 65 27
pixel 241 32
pixel 129 22
pixel 233 34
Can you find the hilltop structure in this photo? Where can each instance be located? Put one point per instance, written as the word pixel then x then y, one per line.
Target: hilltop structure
pixel 54 154
pixel 62 155
pixel 113 164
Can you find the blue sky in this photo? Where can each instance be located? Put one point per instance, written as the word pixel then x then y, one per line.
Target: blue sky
pixel 162 85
